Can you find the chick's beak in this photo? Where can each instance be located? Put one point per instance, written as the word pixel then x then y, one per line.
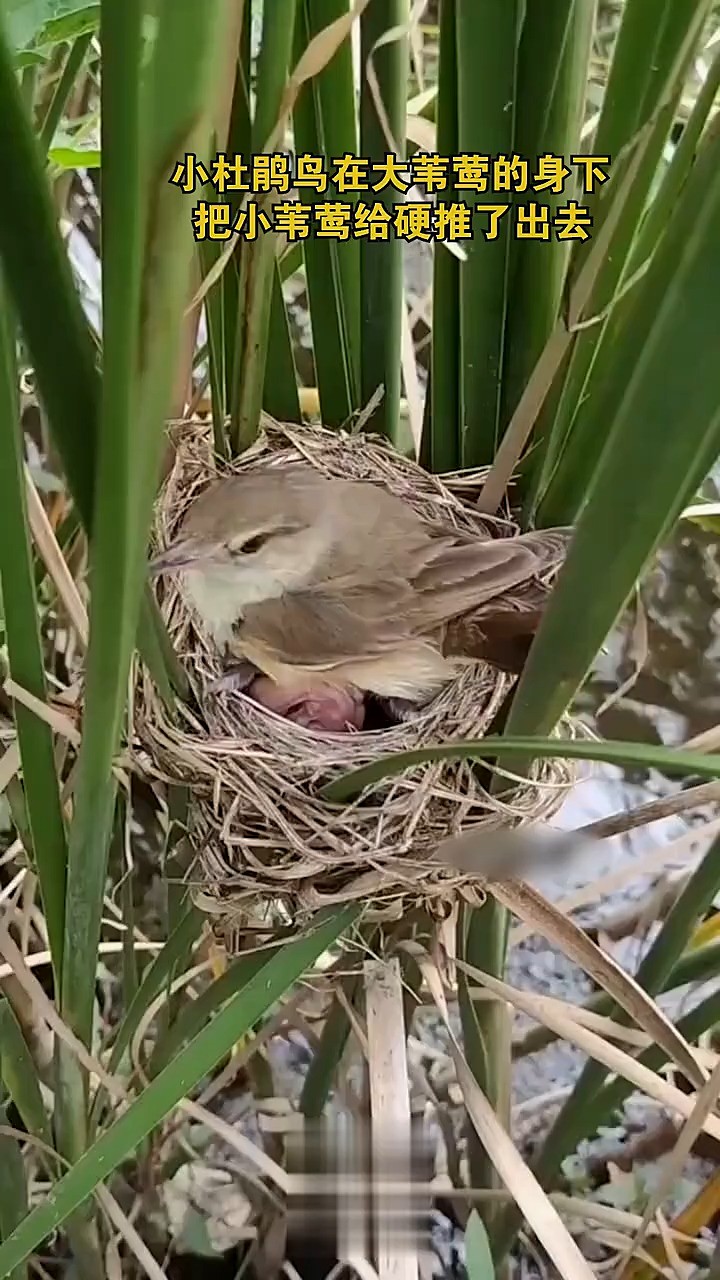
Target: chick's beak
pixel 181 555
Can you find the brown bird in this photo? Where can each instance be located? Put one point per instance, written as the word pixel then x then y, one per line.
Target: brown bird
pixel 324 590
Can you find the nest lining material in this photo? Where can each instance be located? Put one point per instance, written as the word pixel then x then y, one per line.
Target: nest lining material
pixel 263 835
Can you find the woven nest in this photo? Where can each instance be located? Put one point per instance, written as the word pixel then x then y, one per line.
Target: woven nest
pixel 268 846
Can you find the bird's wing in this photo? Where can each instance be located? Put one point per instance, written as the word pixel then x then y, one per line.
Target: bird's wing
pixel 500 633
pixel 481 576
pixel 319 628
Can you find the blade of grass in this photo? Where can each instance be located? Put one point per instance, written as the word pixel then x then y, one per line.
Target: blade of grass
pixel 40 280
pixel 25 654
pixel 193 1014
pixel 487 39
pixel 479 1261
pixel 670 760
pixel 566 479
pixel 650 38
pixel 130 975
pixel 663 376
pixel 381 261
pixel 239 143
pixel 178 1079
pixel 158 653
pixel 336 115
pixel 322 1072
pixel 280 386
pixel 291 261
pixel 215 300
pixel 114 613
pixel 132 434
pixel 258 272
pixel 159 974
pixel 543 378
pixel 13 1190
pixel 440 443
pixel 674 35
pixel 550 103
pixel 147 253
pixel 19 1075
pixel 695 967
pixel 482 941
pixel 279 396
pixel 324 125
pixel 659 213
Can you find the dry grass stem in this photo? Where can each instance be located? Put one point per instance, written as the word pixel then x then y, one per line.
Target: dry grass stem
pixel 533 908
pixel 535 1204
pixel 389 1110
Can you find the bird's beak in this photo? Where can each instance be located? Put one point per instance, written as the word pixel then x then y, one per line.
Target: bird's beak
pixel 178 556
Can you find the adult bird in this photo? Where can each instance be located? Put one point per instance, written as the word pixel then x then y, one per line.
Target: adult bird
pixel 319 591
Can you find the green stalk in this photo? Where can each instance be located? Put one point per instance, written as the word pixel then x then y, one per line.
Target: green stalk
pixel 115 590
pixel 143 300
pixel 239 143
pixel 208 252
pixel 280 387
pixel 176 952
pixel 670 760
pixel 673 35
pixel 324 125
pixel 322 1072
pixel 482 940
pixel 440 445
pixel 111 614
pixel 13 1188
pixel 193 1014
pixel 381 262
pixel 39 278
pixel 663 374
pixel 567 480
pixel 19 1075
pixel 258 271
pixel 551 99
pixel 659 212
pixel 487 51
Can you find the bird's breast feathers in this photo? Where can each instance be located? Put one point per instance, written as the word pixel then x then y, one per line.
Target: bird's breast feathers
pixel 220 597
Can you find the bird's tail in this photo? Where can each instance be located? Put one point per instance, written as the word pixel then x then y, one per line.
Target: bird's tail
pixel 502 629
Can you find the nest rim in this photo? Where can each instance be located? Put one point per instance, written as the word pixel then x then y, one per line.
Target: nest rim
pixel 266 845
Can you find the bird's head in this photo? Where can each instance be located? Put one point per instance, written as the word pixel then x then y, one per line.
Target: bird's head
pixel 252 536
pixel 231 551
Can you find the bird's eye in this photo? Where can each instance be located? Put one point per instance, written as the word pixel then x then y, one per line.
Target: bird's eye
pixel 251 545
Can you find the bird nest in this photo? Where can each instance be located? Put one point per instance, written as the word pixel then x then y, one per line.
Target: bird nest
pixel 268 846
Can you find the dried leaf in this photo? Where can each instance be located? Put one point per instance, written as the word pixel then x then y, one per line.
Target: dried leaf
pixel 538 1209
pixel 534 909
